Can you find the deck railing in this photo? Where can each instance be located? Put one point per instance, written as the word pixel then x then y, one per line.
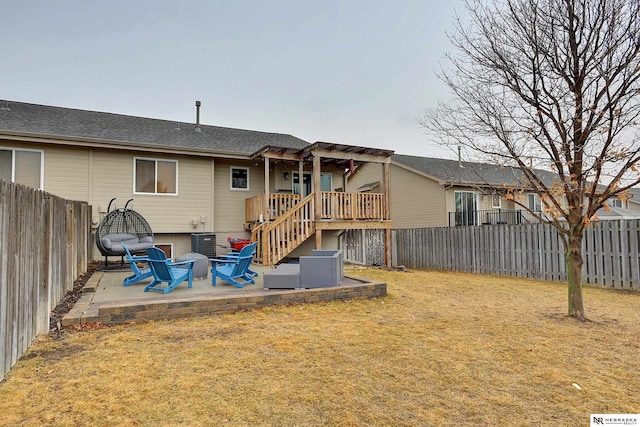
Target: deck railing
pixel 279 204
pixel 279 238
pixel 352 206
pixel 335 206
pixel 290 221
pixel 491 217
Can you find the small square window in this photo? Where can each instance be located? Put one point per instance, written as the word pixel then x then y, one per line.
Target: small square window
pixel 167 248
pixel 616 203
pixel 239 178
pixel 496 201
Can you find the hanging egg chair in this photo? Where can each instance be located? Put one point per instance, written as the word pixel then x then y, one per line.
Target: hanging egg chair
pixel 123 226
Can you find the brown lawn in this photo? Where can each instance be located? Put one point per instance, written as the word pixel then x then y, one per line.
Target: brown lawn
pixel 441 349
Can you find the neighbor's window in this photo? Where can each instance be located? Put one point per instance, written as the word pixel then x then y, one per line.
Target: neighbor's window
pixel 22 166
pixel 155 176
pixel 496 201
pixel 534 202
pixel 616 203
pixel 466 203
pixel 239 178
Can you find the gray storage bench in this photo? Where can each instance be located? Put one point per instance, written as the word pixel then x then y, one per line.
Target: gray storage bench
pixel 323 269
pixel 284 276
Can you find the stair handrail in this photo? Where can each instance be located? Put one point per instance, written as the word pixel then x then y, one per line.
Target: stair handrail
pixel 269 252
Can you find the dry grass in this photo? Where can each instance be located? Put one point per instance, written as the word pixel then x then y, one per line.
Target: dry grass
pixel 441 349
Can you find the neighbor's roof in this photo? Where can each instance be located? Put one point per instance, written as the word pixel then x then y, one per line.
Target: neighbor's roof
pixel 468 173
pixel 612 212
pixel 635 195
pixel 32 120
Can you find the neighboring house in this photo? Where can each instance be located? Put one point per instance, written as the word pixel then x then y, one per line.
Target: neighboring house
pixel 430 192
pixel 632 202
pixel 189 178
pixel 622 208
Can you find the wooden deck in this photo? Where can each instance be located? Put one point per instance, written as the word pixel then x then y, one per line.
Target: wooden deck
pixel 282 222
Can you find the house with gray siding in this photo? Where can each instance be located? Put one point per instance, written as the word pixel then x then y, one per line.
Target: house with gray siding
pixel 434 192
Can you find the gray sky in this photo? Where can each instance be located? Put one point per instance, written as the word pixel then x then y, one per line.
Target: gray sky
pixel 352 72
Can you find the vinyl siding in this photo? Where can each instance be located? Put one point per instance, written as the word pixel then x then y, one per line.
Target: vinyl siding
pixel 66 172
pixel 230 204
pixel 113 177
pixel 416 201
pixel 66 169
pixel 98 175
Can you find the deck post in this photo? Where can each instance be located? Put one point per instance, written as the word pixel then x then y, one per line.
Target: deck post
pixel 317 203
pixel 266 189
pixel 387 211
pixel 317 191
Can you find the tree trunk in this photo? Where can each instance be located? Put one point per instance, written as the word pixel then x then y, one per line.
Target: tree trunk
pixel 573 258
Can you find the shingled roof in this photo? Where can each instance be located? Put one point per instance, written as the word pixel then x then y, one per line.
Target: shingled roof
pixel 33 120
pixel 469 173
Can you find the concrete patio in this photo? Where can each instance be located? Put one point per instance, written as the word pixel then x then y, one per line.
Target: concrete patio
pixel 106 300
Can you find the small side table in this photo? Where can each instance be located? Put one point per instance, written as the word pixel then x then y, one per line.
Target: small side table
pixel 200 267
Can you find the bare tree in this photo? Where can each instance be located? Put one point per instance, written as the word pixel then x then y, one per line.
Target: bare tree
pixel 550 84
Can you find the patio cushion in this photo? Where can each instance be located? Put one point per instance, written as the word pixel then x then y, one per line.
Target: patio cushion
pixel 113 242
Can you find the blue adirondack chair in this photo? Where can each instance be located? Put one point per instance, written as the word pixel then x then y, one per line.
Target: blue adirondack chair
pixel 234 270
pixel 166 271
pixel 234 255
pixel 139 274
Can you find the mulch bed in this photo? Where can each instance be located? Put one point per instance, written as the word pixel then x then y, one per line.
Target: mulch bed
pixel 68 301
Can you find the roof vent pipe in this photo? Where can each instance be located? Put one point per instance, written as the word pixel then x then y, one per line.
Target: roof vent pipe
pixel 198 103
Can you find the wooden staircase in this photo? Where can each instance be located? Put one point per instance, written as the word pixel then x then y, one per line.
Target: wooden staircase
pixel 279 238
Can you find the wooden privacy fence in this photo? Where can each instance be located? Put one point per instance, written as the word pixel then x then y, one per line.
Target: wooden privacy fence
pixel 363 246
pixel 44 247
pixel 611 251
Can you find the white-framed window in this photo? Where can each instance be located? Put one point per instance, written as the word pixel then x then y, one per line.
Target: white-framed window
pixel 155 176
pixel 615 202
pixel 239 178
pixel 167 248
pixel 533 202
pixel 496 201
pixel 22 166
